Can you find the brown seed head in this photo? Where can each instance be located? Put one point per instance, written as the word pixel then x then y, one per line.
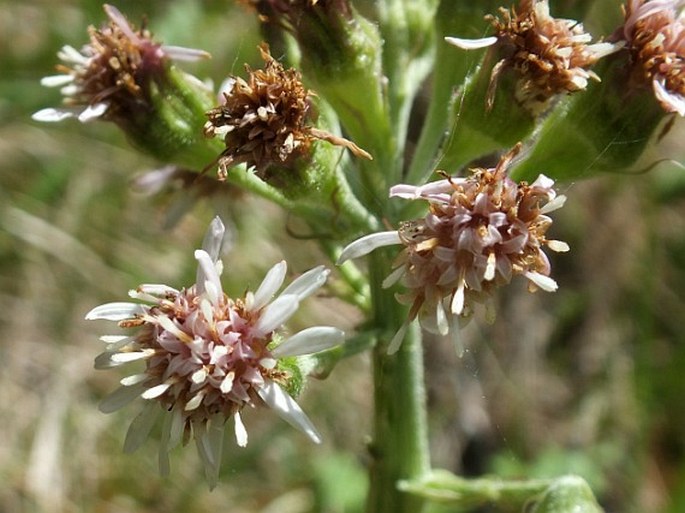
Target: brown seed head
pixel 264 120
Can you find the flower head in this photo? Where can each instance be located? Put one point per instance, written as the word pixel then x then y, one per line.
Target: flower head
pixel 208 356
pixel 108 78
pixel 266 120
pixel 551 56
pixel 479 232
pixel 655 34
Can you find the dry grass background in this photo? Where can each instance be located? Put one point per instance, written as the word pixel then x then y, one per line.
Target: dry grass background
pixel 587 380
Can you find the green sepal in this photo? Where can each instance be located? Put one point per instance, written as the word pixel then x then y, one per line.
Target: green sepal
pixel 168 122
pixel 476 130
pixel 603 129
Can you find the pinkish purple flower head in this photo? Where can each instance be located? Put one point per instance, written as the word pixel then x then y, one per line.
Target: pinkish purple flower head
pixel 207 356
pixel 655 34
pixel 479 232
pixel 111 72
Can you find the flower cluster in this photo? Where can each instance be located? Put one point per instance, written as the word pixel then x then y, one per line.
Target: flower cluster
pixel 655 33
pixel 207 356
pixel 107 78
pixel 265 120
pixel 479 232
pixel 550 55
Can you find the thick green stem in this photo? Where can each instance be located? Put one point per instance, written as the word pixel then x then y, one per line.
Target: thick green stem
pixel 400 447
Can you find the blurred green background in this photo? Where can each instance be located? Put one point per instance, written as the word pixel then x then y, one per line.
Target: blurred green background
pixel 588 380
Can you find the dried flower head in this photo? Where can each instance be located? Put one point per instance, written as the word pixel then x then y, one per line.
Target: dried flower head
pixel 288 14
pixel 479 232
pixel 208 356
pixel 551 56
pixel 655 33
pixel 108 78
pixel 265 120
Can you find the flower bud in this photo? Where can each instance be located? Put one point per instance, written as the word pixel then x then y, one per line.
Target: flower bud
pixel 566 494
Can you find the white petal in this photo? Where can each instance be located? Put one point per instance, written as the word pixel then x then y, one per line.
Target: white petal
pixel 172 328
pixel 115 15
pixel 209 440
pixel 305 285
pixel 227 383
pixel 104 361
pixel 140 428
pixel 211 243
pixel 269 286
pixel 206 272
pixel 365 245
pixel 455 333
pixel 164 447
pixel 71 55
pixel 489 274
pixel 199 376
pixel 156 391
pixel 119 398
pixel 544 282
pixel 180 53
pixel 274 315
pixel 51 115
pixel 93 112
pixel 394 277
pixel 176 428
pixel 441 319
pixel 56 80
pixel 471 44
pixel 240 431
pixel 558 246
pixel 115 311
pixel 268 363
pixel 457 306
pixel 133 379
pixel 673 102
pixel 396 341
pixel 553 205
pixel 286 407
pixel 132 356
pixel 116 342
pixel 157 289
pixel 195 402
pixel 309 341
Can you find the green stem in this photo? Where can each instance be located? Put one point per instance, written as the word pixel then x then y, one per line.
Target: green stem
pixel 400 446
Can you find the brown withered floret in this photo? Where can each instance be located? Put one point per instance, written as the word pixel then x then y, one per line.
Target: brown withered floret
pixel 655 34
pixel 551 55
pixel 265 120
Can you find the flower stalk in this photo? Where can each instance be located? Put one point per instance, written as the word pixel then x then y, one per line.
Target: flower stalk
pixel 399 449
